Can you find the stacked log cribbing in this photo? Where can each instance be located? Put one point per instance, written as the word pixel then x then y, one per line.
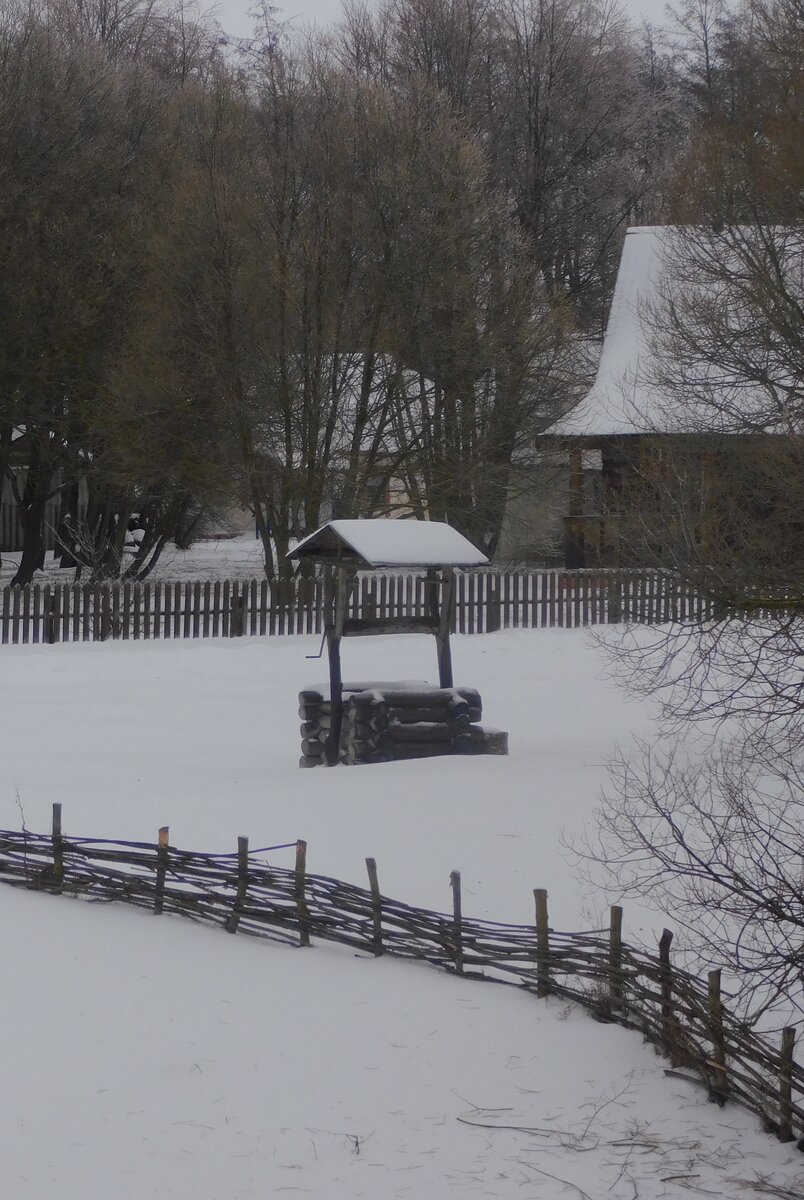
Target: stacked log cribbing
pixel 388 722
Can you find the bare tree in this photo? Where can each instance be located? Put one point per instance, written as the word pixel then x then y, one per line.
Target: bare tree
pixel 383 324
pixel 716 835
pixel 344 276
pixel 716 842
pixel 74 135
pixel 555 92
pixel 86 99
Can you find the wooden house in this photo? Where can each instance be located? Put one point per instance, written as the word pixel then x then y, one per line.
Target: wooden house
pixel 633 453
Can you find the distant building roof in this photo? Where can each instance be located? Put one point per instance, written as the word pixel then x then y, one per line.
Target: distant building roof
pixel 625 398
pixel 390 543
pixel 620 400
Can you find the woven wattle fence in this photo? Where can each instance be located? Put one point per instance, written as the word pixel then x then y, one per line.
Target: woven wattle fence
pixel 245 892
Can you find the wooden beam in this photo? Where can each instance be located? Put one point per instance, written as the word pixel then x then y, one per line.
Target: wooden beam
pixel 444 625
pixel 335 599
pixel 365 626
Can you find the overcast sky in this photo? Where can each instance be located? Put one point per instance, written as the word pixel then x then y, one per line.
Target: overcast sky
pixel 233 14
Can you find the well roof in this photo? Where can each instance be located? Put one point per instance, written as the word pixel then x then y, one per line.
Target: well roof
pixel 385 542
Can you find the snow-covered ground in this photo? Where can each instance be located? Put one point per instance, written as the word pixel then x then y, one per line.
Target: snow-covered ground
pixel 149 1057
pixel 226 558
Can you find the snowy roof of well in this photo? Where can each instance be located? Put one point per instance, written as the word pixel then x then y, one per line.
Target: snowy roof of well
pixel 656 269
pixel 387 542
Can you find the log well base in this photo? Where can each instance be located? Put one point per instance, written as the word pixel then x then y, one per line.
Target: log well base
pixel 387 722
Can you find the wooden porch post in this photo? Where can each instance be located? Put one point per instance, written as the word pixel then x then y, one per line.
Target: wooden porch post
pixel 575 549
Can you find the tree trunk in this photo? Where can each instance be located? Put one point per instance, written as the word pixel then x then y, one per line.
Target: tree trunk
pixel 32 516
pixel 264 531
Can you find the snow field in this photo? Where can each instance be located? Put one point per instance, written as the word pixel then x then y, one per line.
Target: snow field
pixel 148 1057
pixel 239 557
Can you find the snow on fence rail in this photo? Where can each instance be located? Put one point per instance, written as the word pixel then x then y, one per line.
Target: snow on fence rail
pixel 485 601
pixel 683 1016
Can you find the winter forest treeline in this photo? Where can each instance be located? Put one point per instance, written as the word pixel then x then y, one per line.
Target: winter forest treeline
pixel 292 272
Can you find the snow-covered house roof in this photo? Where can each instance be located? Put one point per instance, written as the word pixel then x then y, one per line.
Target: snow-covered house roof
pixel 383 542
pixel 626 397
pixel 621 400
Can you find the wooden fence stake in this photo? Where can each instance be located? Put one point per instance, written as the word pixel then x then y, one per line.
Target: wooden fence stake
pixel 51 621
pixel 58 848
pixel 615 613
pixel 493 604
pixel 161 869
pixel 457 916
pixel 616 957
pixel 786 1085
pixel 233 920
pixel 718 1060
pixel 301 906
pixel 666 982
pixel 542 943
pixel 237 627
pixel 376 905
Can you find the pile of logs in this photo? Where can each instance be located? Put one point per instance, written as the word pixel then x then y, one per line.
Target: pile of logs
pixel 391 721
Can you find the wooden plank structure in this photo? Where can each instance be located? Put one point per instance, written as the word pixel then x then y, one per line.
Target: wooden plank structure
pixel 486 600
pixel 383 722
pixel 343 548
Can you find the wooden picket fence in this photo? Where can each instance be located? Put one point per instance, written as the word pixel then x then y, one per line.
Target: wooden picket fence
pixel 486 601
pixel 686 1018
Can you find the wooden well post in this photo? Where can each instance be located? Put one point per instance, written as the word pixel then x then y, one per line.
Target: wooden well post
pixel 336 599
